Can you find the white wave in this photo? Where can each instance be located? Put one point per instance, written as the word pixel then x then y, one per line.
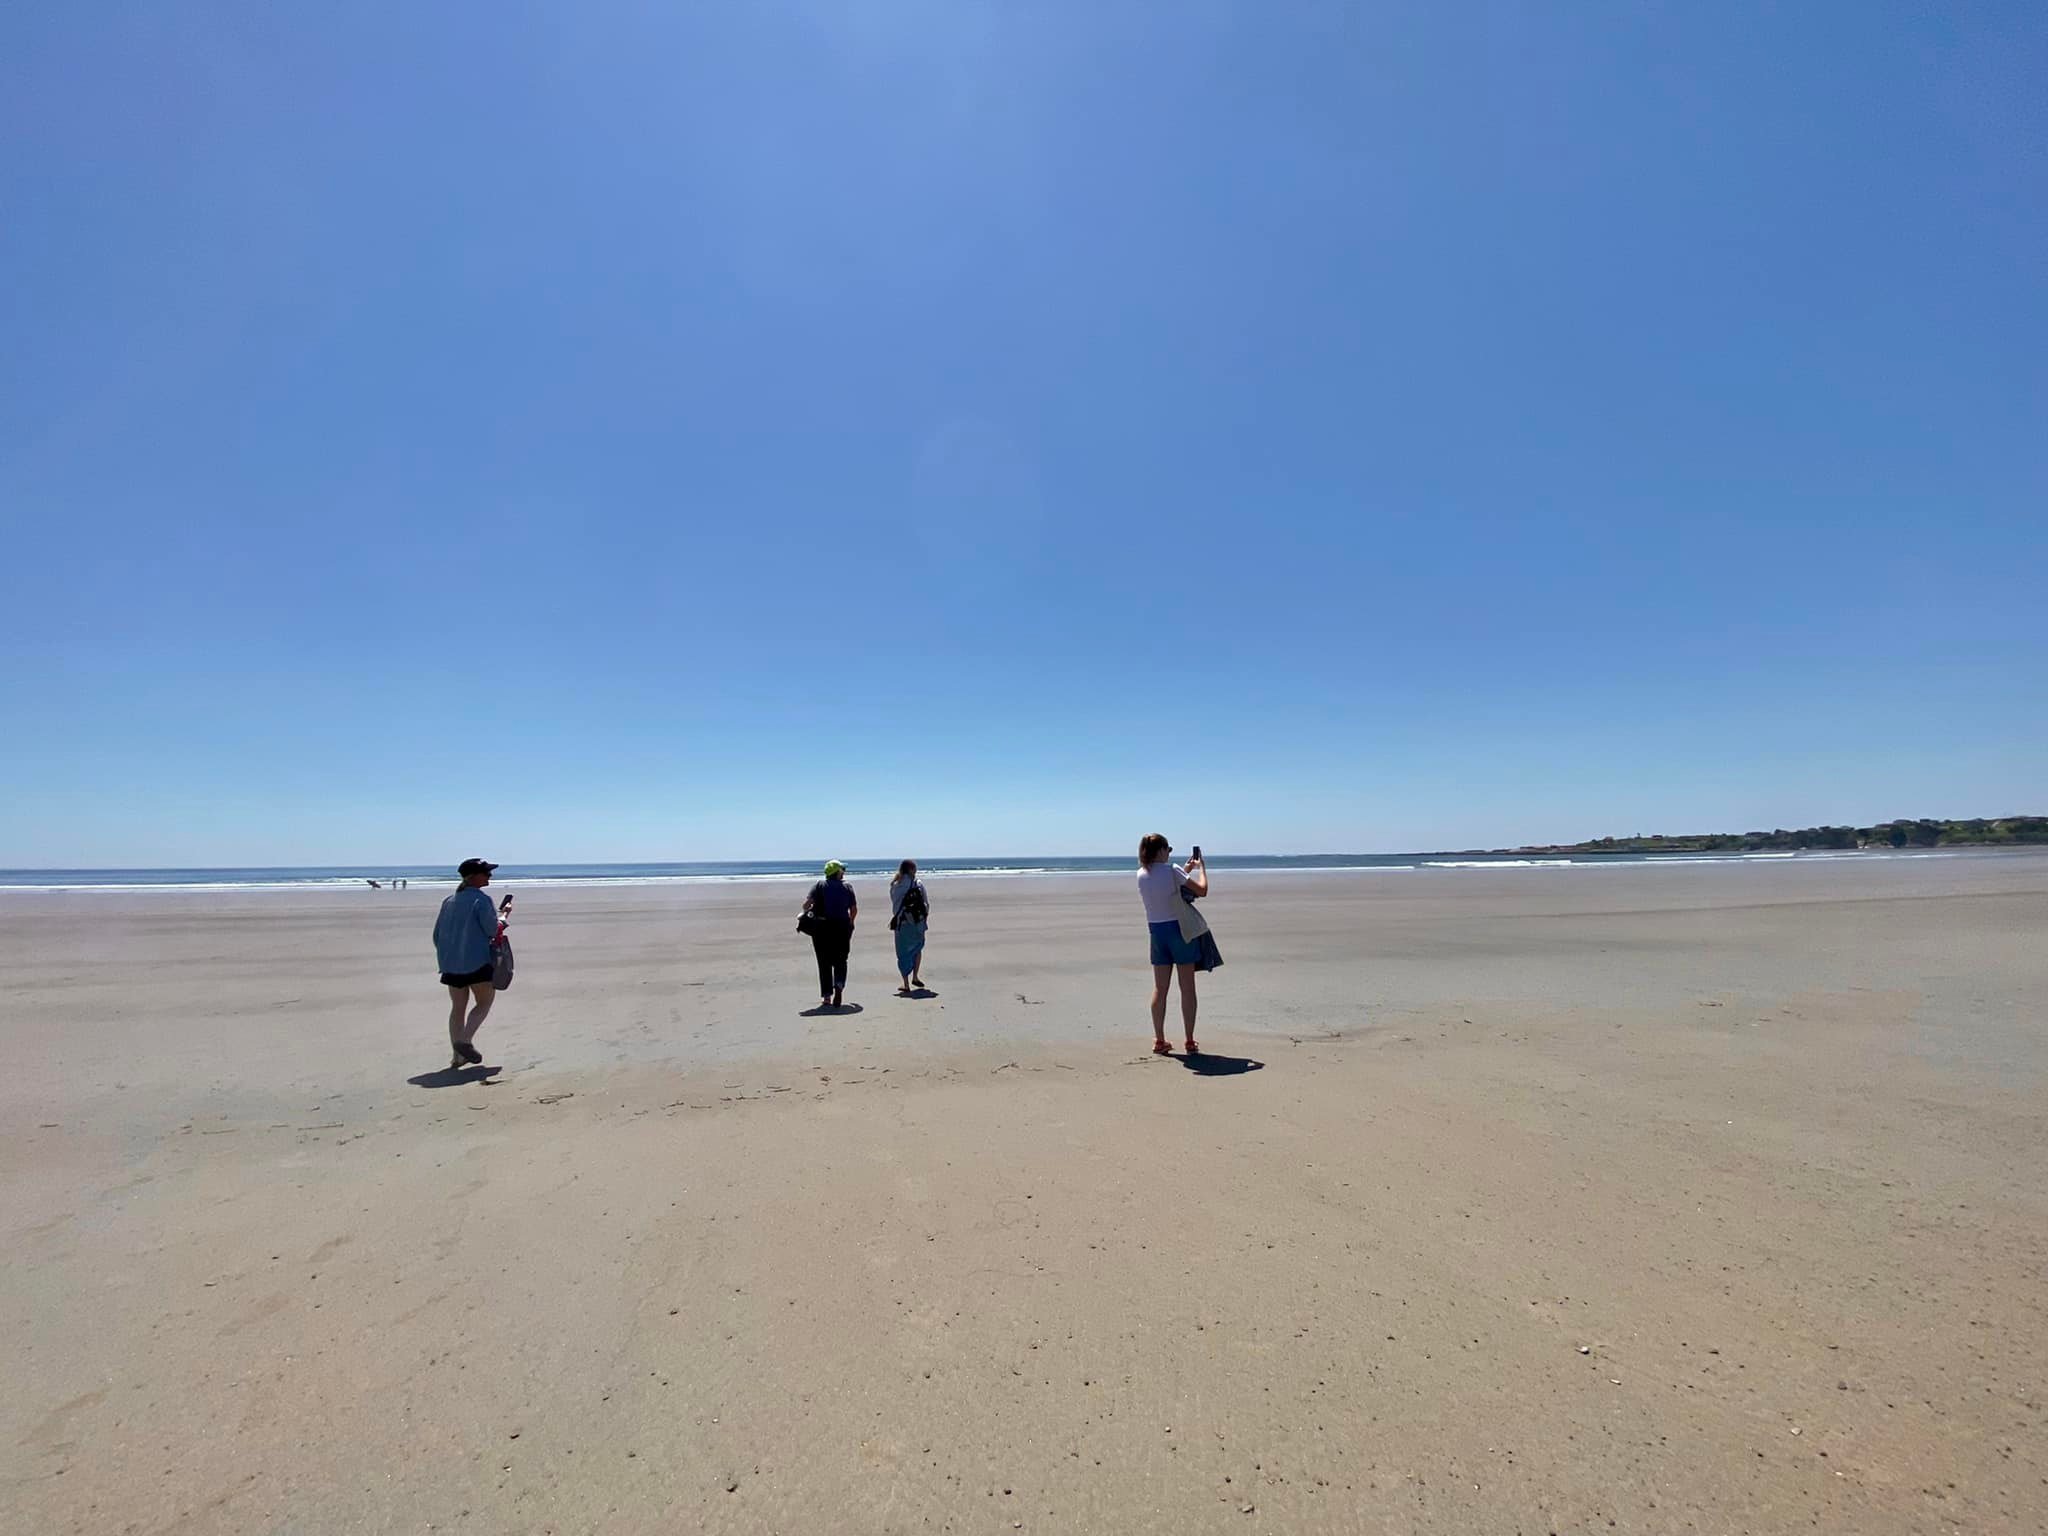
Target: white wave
pixel 1499 864
pixel 199 886
pixel 430 886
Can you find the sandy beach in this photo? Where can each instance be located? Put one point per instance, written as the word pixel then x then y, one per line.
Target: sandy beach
pixel 1643 1199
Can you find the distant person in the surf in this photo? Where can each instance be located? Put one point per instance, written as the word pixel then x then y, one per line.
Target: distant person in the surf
pixel 1181 942
pixel 465 938
pixel 828 917
pixel 910 909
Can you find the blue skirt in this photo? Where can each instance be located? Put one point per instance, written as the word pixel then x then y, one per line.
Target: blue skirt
pixel 1169 948
pixel 909 946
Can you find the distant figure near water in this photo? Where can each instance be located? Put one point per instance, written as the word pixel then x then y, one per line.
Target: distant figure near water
pixel 465 937
pixel 1181 941
pixel 828 917
pixel 910 909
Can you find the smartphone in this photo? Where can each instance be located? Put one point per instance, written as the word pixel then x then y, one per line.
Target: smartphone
pixel 506 904
pixel 1198 853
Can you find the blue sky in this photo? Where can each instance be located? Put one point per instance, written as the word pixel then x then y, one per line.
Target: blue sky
pixel 643 431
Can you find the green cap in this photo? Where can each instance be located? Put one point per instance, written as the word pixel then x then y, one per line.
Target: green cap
pixel 834 867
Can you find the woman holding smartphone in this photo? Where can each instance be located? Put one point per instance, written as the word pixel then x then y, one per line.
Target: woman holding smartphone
pixel 1181 942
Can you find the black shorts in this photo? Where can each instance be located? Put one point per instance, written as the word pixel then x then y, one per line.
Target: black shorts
pixel 470 978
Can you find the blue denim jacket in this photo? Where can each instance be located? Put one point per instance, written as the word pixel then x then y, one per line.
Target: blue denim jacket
pixel 465 931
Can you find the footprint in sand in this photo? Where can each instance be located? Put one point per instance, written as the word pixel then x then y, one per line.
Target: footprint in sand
pixel 50 1429
pixel 269 1306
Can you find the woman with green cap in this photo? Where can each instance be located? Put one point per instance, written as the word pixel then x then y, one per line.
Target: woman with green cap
pixel 832 909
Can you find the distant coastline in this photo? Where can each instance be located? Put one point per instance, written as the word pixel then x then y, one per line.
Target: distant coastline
pixel 1926 832
pixel 428 880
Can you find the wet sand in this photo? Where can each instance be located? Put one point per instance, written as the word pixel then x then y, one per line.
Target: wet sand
pixel 1688 1199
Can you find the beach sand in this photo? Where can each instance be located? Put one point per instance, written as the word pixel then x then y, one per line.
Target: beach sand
pixel 1705 1198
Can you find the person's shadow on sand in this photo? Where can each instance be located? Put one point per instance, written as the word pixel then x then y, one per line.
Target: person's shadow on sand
pixel 826 1010
pixel 454 1077
pixel 1205 1065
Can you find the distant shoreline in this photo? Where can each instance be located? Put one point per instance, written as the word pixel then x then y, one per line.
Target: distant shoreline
pixel 1882 838
pixel 1925 832
pixel 433 883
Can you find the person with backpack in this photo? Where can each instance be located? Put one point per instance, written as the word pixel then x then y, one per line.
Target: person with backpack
pixel 910 908
pixel 828 917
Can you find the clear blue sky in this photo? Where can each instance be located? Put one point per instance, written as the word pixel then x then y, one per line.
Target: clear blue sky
pixel 645 431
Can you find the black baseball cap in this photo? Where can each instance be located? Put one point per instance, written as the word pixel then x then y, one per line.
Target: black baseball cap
pixel 474 867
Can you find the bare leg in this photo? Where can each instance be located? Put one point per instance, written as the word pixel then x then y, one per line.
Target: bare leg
pixel 1187 1003
pixel 458 1011
pixel 1162 976
pixel 485 994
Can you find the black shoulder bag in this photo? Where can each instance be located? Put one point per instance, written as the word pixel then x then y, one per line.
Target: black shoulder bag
pixel 811 922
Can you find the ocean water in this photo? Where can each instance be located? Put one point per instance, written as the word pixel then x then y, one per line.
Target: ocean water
pixel 513 876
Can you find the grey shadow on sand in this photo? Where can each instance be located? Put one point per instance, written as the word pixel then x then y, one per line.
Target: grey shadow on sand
pixel 826 1011
pixel 1202 1064
pixel 915 994
pixel 454 1077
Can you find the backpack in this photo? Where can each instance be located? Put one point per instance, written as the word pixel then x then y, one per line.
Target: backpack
pixel 915 908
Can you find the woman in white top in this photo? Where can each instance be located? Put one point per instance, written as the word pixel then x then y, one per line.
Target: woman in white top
pixel 1160 883
pixel 910 908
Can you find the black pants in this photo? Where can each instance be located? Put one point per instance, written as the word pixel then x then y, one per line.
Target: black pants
pixel 831 942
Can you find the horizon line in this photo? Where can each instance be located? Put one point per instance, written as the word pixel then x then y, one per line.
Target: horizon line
pixel 1322 853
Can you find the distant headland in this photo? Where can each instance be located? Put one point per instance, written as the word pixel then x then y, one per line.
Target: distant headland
pixel 1994 832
